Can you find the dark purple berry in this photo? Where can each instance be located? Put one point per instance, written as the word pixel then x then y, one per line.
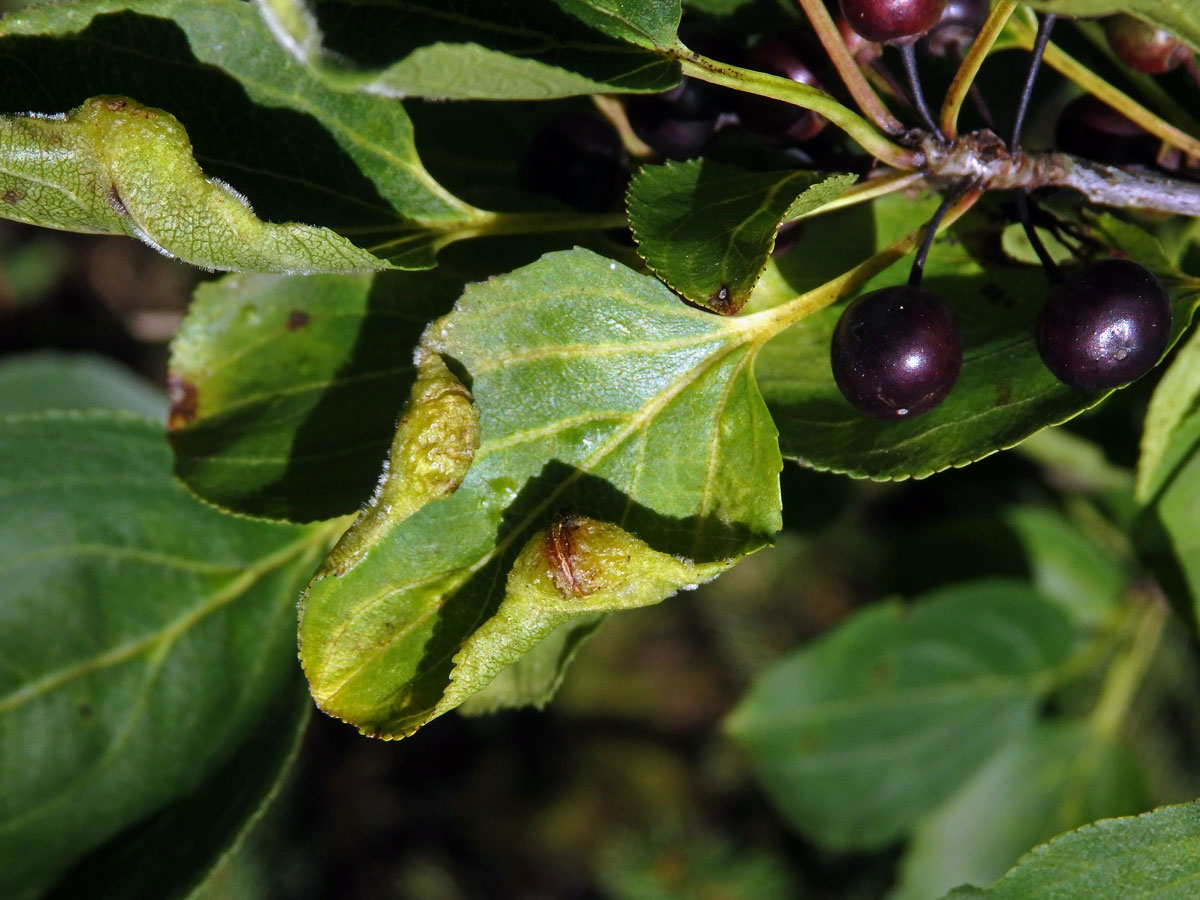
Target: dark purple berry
pixel 578 159
pixel 860 48
pixel 1143 46
pixel 678 122
pixel 957 28
pixel 896 352
pixel 1105 326
pixel 782 56
pixel 1090 128
pixel 890 20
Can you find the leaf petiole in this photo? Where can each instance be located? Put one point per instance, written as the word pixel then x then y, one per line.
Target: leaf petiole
pixel 752 82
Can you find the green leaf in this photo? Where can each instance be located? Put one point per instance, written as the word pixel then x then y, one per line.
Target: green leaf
pixel 599 395
pixel 181 848
pixel 172 636
pixel 708 229
pixel 842 732
pixel 1056 777
pixel 246 105
pixel 1177 509
pixel 286 390
pixel 1155 855
pixel 114 166
pixel 33 382
pixel 1068 566
pixel 434 445
pixel 1180 17
pixel 478 50
pixel 536 676
pixel 1003 395
pixel 1016 245
pixel 1085 578
pixel 577 568
pixel 1172 429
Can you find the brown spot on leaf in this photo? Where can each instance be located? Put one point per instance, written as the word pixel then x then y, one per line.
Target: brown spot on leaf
pixel 115 201
pixel 561 550
pixel 12 198
pixel 1003 393
pixel 114 104
pixel 184 402
pixel 86 711
pixel 724 302
pixel 297 320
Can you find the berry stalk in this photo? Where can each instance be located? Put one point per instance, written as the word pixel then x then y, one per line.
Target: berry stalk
pixel 1075 71
pixel 931 230
pixel 908 54
pixel 1045 26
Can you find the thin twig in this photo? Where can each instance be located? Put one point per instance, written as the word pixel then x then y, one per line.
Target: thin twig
pixel 984 157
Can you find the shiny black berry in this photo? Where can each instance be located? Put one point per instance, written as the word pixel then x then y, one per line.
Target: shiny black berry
pixel 956 29
pixel 578 159
pixel 1143 46
pixel 1090 128
pixel 782 56
pixel 1105 326
pixel 677 123
pixel 896 352
pixel 890 20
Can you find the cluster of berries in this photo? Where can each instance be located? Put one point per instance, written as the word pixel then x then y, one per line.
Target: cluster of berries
pixel 579 158
pixel 897 352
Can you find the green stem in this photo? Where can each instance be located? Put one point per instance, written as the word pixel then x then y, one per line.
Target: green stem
pixel 1098 87
pixel 847 67
pixel 803 95
pixel 1127 671
pixel 500 224
pixel 965 76
pixel 770 322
